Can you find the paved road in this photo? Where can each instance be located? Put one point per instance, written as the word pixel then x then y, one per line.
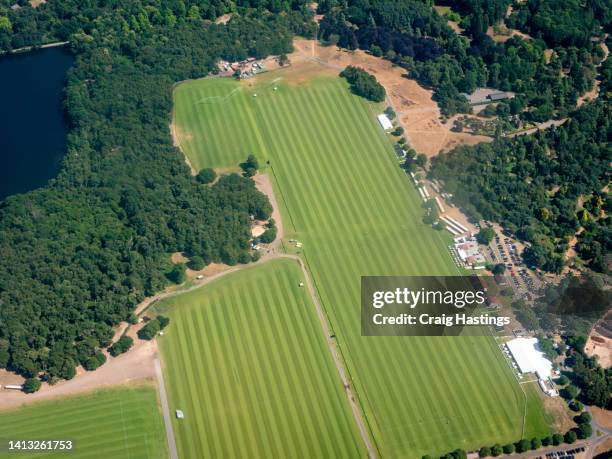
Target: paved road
pixel 165 409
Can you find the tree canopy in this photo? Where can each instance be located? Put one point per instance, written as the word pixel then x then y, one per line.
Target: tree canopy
pixel 363 84
pixel 79 254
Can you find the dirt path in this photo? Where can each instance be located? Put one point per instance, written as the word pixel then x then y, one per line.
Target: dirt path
pixel 593 93
pixel 165 409
pixel 539 127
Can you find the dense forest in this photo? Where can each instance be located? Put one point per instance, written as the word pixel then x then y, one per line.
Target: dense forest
pixel 79 254
pixel 411 34
pixel 567 23
pixel 532 185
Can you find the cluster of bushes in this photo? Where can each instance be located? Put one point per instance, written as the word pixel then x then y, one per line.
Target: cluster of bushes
pixel 250 166
pixel 153 327
pixel 122 345
pixel 363 84
pixel 269 234
pixel 206 176
pixel 593 381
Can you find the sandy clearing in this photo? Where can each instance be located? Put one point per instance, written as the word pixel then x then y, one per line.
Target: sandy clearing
pixel 137 364
pixel 264 185
pixel 416 110
pixel 602 417
pixel 223 19
pixel 602 348
pixel 506 34
pixel 178 257
pixel 258 230
pixel 559 411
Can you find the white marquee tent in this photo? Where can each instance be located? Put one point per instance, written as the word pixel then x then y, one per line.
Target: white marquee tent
pixel 528 358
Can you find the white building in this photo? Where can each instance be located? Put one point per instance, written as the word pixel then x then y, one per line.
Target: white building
pixel 385 122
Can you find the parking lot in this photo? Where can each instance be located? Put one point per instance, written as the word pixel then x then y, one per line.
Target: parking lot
pixel 503 249
pixel 565 454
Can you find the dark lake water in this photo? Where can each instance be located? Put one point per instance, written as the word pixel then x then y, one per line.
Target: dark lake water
pixel 33 127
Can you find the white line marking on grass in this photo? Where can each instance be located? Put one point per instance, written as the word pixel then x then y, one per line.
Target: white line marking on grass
pixel 127 449
pixel 219 99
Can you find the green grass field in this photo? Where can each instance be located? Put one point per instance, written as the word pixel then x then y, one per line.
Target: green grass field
pixel 245 359
pixel 343 195
pixel 116 423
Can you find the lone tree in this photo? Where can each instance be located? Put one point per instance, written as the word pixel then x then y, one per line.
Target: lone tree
pixel 206 176
pixel 584 431
pixel 569 392
pixel 196 263
pixel 163 322
pixel 31 385
pixel 250 166
pixel 177 273
pixel 570 437
pixel 523 445
pixel 583 418
pixel 563 380
pixel 93 362
pixel 485 235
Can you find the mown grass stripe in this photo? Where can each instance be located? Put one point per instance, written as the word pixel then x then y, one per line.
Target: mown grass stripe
pixel 357 213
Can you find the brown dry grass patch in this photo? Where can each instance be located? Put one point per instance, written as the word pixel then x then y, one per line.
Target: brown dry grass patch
pixel 417 112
